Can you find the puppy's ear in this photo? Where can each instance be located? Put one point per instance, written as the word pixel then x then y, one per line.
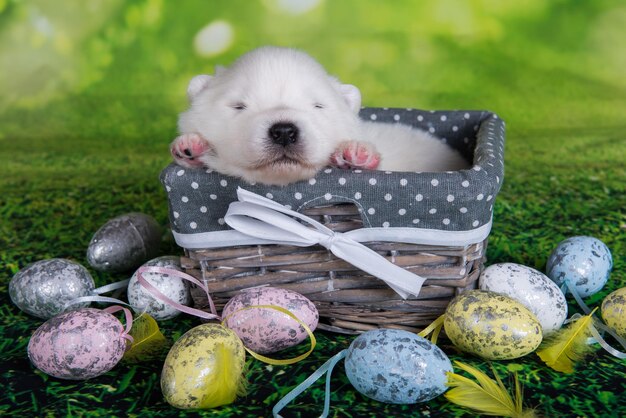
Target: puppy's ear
pixel 352 96
pixel 197 84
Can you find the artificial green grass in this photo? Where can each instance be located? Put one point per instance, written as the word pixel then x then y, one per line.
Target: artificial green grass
pixel 77 152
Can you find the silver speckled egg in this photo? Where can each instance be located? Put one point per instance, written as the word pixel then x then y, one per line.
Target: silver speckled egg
pixel 43 288
pixel 173 287
pixel 584 262
pixel 397 366
pixel 530 287
pixel 124 243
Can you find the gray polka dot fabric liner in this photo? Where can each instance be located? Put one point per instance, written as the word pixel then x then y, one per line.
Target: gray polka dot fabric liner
pixel 449 201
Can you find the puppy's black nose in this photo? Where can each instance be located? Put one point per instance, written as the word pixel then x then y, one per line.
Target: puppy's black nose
pixel 284 133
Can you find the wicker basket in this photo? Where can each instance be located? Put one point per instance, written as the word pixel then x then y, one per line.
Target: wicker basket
pixel 447 247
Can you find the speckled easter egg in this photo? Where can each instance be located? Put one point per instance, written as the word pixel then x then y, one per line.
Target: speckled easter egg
pixel 124 243
pixel 584 262
pixel 78 345
pixel 266 330
pixel 614 311
pixel 530 287
pixel 204 368
pixel 174 288
pixel 42 289
pixel 491 325
pixel 396 366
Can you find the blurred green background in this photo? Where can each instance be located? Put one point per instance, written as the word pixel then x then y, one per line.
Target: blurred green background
pixel 89 96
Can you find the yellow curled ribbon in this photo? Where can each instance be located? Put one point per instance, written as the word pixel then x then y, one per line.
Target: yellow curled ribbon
pixel 434 328
pixel 269 360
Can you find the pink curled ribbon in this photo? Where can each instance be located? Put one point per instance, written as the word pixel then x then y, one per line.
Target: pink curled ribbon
pixel 129 321
pixel 160 296
pixel 209 316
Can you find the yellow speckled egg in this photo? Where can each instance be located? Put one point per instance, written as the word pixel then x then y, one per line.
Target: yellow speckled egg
pixel 491 325
pixel 204 368
pixel 614 311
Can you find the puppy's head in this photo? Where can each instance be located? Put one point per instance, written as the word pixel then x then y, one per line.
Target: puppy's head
pixel 274 117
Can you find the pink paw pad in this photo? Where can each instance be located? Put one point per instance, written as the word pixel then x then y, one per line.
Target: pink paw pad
pixel 355 154
pixel 187 148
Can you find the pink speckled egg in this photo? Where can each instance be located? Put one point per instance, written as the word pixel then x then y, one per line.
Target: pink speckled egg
pixel 266 330
pixel 78 345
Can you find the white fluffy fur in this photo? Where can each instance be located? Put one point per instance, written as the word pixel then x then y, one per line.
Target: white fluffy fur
pixel 285 85
pixel 404 148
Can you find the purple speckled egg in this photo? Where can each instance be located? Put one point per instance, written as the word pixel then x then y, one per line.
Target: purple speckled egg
pixel 78 345
pixel 266 330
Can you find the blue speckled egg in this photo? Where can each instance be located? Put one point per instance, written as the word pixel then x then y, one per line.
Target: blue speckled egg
pixel 43 288
pixel 584 262
pixel 396 366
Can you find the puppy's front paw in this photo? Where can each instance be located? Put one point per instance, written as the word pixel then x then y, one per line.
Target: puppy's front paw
pixel 186 150
pixel 355 154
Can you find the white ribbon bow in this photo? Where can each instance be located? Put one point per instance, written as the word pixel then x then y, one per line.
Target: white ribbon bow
pixel 259 217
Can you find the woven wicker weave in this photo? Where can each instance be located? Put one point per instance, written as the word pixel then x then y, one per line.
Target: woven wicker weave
pixel 457 204
pixel 348 300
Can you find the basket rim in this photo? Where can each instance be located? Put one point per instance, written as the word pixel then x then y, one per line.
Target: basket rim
pixel 484 180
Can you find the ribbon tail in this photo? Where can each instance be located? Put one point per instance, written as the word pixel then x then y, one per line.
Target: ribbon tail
pixel 111 287
pixel 325 368
pixel 402 281
pixel 93 298
pixel 262 218
pixel 604 344
pixel 577 296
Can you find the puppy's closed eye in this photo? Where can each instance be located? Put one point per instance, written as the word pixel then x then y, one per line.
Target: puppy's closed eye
pixel 239 106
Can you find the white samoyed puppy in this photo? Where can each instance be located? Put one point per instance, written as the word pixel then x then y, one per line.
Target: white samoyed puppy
pixel 276 117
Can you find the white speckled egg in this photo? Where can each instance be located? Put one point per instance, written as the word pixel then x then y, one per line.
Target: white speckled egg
pixel 124 243
pixel 78 345
pixel 265 330
pixel 584 262
pixel 174 288
pixel 530 287
pixel 396 366
pixel 43 288
pixel 614 311
pixel 491 325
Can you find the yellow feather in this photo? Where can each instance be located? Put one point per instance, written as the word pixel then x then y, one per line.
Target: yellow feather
pixel 148 341
pixel 228 379
pixel 565 347
pixel 486 396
